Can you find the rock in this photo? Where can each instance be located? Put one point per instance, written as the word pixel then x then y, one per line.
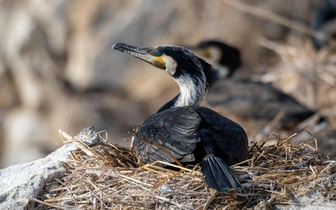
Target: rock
pixel 18 183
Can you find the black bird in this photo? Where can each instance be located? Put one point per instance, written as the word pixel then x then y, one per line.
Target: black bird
pixel 258 101
pixel 225 58
pixel 324 21
pixel 249 99
pixel 191 134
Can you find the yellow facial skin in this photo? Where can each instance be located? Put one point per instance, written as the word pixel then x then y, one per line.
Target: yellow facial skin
pixel 207 53
pixel 159 63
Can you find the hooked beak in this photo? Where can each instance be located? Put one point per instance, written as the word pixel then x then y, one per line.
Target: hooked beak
pixel 141 53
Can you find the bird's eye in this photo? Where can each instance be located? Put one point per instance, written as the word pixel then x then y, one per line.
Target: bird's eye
pixel 158 53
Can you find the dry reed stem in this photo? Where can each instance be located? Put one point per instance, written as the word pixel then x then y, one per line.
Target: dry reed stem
pixel 308 76
pixel 269 15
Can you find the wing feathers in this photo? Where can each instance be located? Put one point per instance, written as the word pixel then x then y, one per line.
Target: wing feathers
pixel 175 129
pixel 229 136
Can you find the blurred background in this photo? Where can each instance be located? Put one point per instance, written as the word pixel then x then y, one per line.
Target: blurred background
pixel 58 71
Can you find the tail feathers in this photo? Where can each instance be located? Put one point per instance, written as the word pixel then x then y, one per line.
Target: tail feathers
pixel 218 174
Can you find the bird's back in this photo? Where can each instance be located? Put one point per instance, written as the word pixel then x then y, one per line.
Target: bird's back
pixel 255 100
pixel 178 130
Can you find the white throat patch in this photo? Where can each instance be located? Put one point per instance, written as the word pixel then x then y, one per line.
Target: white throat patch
pixel 170 64
pixel 190 93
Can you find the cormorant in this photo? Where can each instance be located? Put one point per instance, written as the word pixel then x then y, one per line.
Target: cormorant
pixel 324 20
pixel 248 99
pixel 225 58
pixel 189 133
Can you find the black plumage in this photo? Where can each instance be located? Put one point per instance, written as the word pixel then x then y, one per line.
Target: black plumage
pixel 248 99
pixel 180 129
pixel 190 133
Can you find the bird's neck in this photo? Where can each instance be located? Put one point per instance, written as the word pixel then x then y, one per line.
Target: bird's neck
pixel 192 93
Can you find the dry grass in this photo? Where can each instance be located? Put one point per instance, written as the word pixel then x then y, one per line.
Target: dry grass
pixel 308 76
pixel 113 178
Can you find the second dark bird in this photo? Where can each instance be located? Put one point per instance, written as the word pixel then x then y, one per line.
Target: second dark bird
pixel 192 134
pixel 245 98
pixel 225 58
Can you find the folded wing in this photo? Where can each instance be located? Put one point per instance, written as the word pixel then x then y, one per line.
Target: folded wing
pixel 175 129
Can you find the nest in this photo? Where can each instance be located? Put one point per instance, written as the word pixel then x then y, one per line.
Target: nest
pixel 107 176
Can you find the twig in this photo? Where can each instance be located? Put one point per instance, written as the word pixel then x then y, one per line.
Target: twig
pixel 209 201
pixel 257 11
pixel 315 140
pixel 274 122
pixel 47 204
pixel 171 202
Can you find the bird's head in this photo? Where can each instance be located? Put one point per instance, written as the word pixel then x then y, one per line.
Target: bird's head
pixel 208 49
pixel 178 62
pixel 220 55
